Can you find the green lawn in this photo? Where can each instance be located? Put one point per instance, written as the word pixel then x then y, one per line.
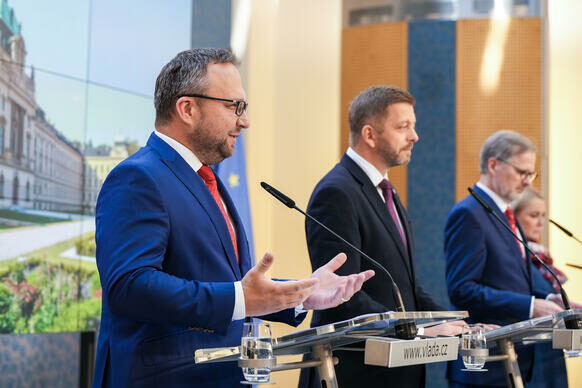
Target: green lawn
pixel 18 216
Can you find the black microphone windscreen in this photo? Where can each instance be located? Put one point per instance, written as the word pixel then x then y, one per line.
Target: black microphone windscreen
pixel 279 195
pixel 568 233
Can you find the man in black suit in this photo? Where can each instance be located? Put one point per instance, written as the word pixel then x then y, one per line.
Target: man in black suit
pixel 356 200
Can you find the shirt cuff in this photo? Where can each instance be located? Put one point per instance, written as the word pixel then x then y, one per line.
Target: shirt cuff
pixel 420 331
pixel 239 302
pixel 531 306
pixel 299 310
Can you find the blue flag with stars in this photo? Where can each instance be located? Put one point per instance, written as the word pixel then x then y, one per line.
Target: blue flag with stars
pixel 233 172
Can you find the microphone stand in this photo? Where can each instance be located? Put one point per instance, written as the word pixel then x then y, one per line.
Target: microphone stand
pixel 569 234
pixel 570 322
pixel 405 329
pixel 566 231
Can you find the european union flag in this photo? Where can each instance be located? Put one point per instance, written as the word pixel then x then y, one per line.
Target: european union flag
pixel 233 172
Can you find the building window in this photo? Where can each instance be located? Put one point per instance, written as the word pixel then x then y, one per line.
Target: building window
pixel 27 191
pixel 28 142
pixel 1 140
pixel 1 186
pixel 17 131
pixel 15 191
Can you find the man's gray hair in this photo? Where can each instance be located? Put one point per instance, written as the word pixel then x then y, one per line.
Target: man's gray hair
pixel 185 74
pixel 503 145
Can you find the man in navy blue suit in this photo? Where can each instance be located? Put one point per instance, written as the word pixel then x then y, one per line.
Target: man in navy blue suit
pixel 488 272
pixel 356 200
pixel 172 253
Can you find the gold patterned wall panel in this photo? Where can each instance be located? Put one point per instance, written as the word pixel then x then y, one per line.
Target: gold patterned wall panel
pixel 373 55
pixel 499 86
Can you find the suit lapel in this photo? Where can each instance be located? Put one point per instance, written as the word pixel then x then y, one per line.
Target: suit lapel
pixel 198 188
pixel 241 237
pixel 507 238
pixel 528 258
pixel 371 194
pixel 407 231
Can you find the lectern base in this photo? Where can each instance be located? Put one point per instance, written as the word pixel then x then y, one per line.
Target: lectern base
pixel 326 369
pixel 512 372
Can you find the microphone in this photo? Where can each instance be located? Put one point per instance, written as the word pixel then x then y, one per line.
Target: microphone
pixel 404 330
pixel 566 231
pixel 570 322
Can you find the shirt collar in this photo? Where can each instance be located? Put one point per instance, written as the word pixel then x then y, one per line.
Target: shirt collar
pixel 372 172
pixel 501 204
pixel 182 150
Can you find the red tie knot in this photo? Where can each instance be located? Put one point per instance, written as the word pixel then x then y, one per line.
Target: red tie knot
pixel 206 174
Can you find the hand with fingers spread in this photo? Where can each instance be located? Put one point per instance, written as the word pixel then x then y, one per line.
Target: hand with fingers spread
pixel 333 289
pixel 264 296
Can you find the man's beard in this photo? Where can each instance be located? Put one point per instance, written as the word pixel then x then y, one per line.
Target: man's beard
pixel 506 194
pixel 393 158
pixel 212 150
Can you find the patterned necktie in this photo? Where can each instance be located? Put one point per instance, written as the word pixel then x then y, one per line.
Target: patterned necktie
pixel 207 175
pixel 389 198
pixel 511 218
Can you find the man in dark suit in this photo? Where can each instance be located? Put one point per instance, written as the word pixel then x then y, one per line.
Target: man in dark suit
pixel 172 253
pixel 488 272
pixel 356 200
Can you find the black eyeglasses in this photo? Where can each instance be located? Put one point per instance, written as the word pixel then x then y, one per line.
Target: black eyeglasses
pixel 241 106
pixel 523 174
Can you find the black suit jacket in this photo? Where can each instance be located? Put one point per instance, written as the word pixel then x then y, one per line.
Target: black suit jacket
pixel 346 201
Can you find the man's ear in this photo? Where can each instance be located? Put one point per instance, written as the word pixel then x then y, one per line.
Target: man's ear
pixel 187 110
pixel 491 164
pixel 368 135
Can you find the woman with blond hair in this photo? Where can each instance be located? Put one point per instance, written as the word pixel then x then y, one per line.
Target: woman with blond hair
pixel 549 369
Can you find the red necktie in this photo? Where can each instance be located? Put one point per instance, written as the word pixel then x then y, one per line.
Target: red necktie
pixel 207 175
pixel 511 218
pixel 389 198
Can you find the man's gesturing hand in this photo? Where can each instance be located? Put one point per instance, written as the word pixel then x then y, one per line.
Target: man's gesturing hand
pixel 264 296
pixel 333 290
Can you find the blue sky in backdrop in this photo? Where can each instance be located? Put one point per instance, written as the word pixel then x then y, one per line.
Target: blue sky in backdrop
pixel 122 44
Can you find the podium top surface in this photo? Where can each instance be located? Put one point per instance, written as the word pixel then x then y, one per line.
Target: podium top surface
pixel 378 323
pixel 336 334
pixel 535 329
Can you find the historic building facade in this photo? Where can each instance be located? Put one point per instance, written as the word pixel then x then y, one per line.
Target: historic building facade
pixel 39 168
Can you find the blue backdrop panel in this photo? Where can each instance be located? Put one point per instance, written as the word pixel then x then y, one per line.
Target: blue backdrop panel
pixel 431 173
pixel 211 23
